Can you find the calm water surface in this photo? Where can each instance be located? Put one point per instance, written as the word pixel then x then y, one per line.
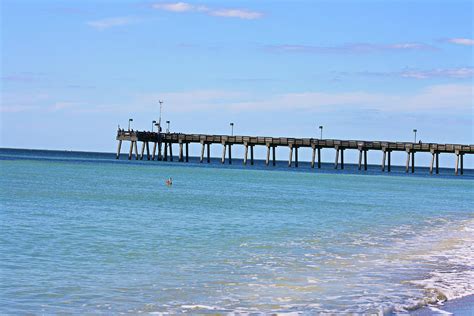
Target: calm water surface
pixel 84 233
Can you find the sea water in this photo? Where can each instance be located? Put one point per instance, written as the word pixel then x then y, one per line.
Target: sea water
pixel 85 233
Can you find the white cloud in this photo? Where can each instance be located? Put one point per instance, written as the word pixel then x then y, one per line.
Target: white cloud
pixel 174 7
pixel 455 73
pixel 236 13
pixel 351 48
pixel 461 41
pixel 111 22
pixel 220 12
pixel 436 97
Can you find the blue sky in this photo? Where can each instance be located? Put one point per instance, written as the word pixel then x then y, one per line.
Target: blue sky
pixel 72 70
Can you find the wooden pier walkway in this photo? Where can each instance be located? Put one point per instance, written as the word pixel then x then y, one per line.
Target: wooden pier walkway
pixel 164 143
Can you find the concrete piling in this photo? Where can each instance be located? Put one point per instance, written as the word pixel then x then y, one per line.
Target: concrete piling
pixel 118 149
pixel 187 152
pixel 296 156
pixel 230 154
pixel 291 155
pixel 181 155
pixel 165 152
pixel 202 152
pixel 223 153
pixel 274 155
pixel 154 151
pixel 336 162
pixel 246 152
pixel 208 152
pixel 251 155
pixel 267 161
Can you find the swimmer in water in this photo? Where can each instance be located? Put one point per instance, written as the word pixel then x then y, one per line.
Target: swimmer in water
pixel 169 181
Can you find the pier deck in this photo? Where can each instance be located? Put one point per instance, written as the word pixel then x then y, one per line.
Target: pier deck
pixel 166 140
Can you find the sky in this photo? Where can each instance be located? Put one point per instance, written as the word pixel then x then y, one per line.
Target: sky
pixel 72 71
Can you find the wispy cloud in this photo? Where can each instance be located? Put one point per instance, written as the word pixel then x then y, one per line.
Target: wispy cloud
pixel 451 73
pixel 461 41
pixel 180 7
pixel 352 48
pixel 111 22
pixel 435 97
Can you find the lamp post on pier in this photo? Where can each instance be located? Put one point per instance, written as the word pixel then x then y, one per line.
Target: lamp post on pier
pixel 231 129
pixel 129 120
pixel 159 119
pixel 414 131
pixel 321 131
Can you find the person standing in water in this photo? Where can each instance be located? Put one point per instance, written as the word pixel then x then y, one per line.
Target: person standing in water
pixel 169 182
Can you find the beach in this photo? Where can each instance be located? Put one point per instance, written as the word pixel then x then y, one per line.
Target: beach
pixel 84 233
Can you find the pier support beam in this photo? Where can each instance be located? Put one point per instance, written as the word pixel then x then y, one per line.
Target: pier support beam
pixel 251 154
pixel 336 162
pixel 389 165
pixel 171 151
pixel 187 152
pixel 457 164
pixel 384 156
pixel 118 149
pixel 365 159
pixel 360 158
pixel 407 167
pixel 413 162
pixel 246 151
pixel 437 163
pixel 342 158
pixel 136 149
pixel 147 151
pixel 462 163
pixel 223 153
pixel 230 154
pixel 154 151
pixel 274 155
pixel 160 156
pixel 208 152
pixel 313 157
pixel 131 150
pixel 267 161
pixel 180 152
pixel 296 156
pixel 291 155
pixel 202 152
pixel 143 150
pixel 165 153
pixel 319 157
pixel 432 161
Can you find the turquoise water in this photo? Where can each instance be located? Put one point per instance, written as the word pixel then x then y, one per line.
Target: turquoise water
pixel 84 233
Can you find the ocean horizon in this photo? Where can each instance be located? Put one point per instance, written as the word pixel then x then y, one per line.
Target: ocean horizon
pixel 86 233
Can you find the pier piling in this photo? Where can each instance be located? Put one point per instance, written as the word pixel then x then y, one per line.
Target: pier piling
pixel 119 146
pixel 274 155
pixel 202 152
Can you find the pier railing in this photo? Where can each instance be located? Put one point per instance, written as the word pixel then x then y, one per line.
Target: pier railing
pixel 166 140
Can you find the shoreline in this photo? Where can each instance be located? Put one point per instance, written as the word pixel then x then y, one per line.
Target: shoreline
pixel 459 306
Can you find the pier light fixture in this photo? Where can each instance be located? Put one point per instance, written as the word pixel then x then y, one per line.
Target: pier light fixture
pixel 161 106
pixel 321 131
pixel 153 123
pixel 231 129
pixel 129 121
pixel 168 128
pixel 414 131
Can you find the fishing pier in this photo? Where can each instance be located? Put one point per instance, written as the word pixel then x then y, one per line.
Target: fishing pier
pixel 161 145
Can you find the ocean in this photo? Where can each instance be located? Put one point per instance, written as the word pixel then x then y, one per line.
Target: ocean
pixel 86 233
